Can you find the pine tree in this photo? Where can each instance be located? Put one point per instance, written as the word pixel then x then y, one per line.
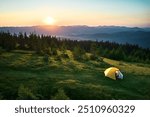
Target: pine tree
pixel 78 53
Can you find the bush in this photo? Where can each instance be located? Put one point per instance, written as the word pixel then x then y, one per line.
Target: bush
pixel 25 93
pixel 58 58
pixel 78 53
pixel 60 95
pixel 46 59
pixel 93 57
pixel 65 56
pixel 86 57
pixel 100 59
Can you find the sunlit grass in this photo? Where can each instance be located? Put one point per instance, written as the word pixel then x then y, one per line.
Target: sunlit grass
pixel 79 79
pixel 130 67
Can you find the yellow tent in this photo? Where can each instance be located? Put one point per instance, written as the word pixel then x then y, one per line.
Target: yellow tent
pixel 111 72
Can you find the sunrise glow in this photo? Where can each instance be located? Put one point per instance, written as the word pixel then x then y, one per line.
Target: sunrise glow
pixel 75 12
pixel 49 21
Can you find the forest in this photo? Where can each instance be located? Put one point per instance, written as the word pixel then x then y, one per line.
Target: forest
pixel 48 67
pixel 50 44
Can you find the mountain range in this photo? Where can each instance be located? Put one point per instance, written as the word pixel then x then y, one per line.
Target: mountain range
pixel 119 34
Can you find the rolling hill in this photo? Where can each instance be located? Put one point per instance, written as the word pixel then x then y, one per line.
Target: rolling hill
pixel 24 75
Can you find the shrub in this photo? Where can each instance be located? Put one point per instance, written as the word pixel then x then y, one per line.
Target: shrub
pixel 46 59
pixel 64 56
pixel 93 57
pixel 25 93
pixel 60 95
pixel 78 53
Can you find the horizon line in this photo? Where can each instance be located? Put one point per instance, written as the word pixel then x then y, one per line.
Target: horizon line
pixel 17 26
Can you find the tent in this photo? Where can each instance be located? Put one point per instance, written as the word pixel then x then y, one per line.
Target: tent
pixel 113 73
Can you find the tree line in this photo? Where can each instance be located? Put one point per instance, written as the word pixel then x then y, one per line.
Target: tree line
pixel 47 44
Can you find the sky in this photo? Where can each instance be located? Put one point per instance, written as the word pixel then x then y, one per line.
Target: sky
pixel 75 12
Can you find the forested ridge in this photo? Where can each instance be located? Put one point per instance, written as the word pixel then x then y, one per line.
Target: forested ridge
pixel 46 44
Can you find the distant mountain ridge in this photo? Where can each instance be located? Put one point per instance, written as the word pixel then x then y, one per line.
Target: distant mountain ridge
pixel 140 38
pixel 119 34
pixel 72 30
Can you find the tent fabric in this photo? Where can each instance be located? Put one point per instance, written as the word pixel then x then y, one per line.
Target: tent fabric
pixel 119 75
pixel 113 73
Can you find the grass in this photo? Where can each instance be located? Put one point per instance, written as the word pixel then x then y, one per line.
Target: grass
pixel 78 79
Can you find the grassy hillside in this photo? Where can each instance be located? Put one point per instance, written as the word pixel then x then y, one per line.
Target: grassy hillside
pixel 26 75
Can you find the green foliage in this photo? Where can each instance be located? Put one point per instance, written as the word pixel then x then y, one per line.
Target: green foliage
pixel 49 45
pixel 88 57
pixel 78 53
pixel 1 97
pixel 94 49
pixel 24 93
pixel 1 50
pixel 78 79
pixel 76 69
pixel 93 57
pixel 64 55
pixel 60 95
pixel 46 59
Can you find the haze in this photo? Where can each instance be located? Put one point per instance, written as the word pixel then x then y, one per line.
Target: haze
pixel 75 12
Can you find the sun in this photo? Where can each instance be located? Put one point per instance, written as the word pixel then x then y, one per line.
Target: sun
pixel 49 20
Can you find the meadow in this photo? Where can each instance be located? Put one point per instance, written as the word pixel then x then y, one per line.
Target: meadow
pixel 27 75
